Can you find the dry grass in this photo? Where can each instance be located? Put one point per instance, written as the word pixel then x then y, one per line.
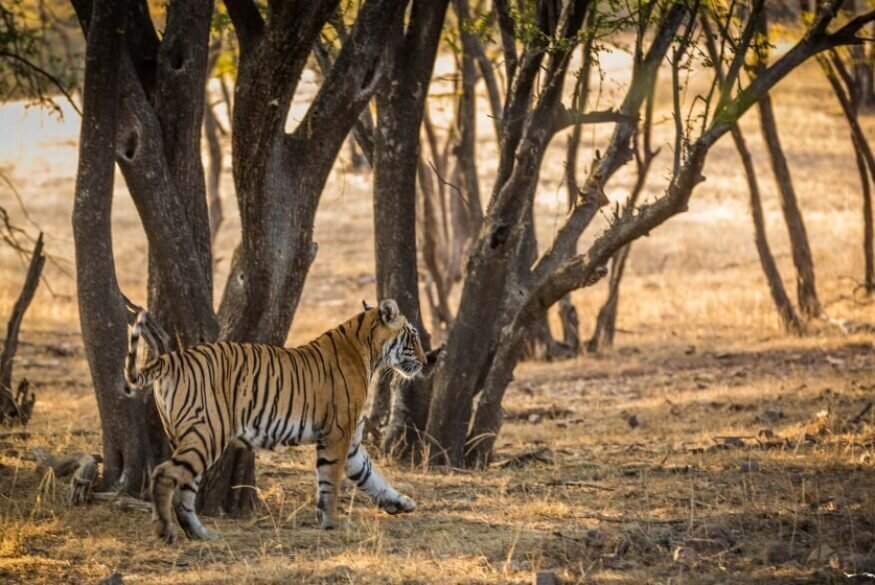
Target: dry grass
pixel 700 356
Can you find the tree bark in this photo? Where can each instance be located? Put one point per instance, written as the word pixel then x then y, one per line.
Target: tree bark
pixel 400 107
pixel 127 455
pixel 492 286
pixel 18 407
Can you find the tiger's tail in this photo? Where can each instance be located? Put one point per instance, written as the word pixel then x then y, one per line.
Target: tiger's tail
pixel 135 380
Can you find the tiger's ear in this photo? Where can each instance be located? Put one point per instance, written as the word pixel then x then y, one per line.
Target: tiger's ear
pixel 389 313
pixel 365 305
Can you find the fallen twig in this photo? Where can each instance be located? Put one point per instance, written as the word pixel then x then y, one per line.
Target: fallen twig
pixel 122 501
pixel 862 414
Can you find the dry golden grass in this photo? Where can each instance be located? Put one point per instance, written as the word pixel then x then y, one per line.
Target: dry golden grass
pixel 700 356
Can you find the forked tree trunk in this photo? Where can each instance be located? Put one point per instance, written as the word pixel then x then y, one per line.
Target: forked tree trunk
pixel 806 289
pixel 279 177
pixel 789 319
pixel 127 454
pixel 843 86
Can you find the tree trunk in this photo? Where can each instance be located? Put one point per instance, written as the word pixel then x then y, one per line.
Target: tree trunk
pixel 126 451
pixel 279 177
pixel 493 288
pixel 806 289
pixel 400 106
pixel 606 322
pixel 214 151
pixel 789 319
pixel 842 84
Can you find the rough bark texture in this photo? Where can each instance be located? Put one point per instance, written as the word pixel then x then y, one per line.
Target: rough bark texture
pixel 279 177
pixel 127 455
pixel 491 286
pixel 400 106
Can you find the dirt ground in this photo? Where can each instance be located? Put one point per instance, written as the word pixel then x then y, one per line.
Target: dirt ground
pixel 708 447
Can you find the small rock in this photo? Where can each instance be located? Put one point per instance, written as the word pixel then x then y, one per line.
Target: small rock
pixel 716 532
pixel 777 554
pixel 771 415
pixel 114 579
pixel 545 578
pixel 594 537
pixel 701 386
pixel 683 555
pixel 534 418
pixel 749 466
pixel 633 421
pixel 859 563
pixel 821 553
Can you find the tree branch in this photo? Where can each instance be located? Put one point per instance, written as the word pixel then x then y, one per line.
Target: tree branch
pixel 591 197
pixel 247 22
pixel 42 72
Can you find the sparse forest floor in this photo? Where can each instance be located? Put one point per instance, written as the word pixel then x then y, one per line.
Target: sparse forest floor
pixel 742 463
pixel 608 504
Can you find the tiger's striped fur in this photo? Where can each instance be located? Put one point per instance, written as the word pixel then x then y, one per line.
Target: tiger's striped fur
pixel 265 396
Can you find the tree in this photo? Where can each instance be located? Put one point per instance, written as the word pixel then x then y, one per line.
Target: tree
pixel 787 313
pixel 278 178
pixel 400 105
pixel 806 289
pixel 500 303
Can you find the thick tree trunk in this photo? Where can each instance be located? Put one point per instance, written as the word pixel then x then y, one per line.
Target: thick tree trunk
pixel 400 106
pixel 493 289
pixel 127 454
pixel 806 289
pixel 279 177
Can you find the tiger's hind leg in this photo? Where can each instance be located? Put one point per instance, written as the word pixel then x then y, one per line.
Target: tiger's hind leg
pixel 186 516
pixel 187 462
pixel 361 471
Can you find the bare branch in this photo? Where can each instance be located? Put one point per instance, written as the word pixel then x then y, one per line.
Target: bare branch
pixel 51 78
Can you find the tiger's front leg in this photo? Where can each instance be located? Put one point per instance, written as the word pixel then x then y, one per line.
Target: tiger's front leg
pixel 361 471
pixel 330 461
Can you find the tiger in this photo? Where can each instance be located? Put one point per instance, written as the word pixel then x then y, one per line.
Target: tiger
pixel 264 396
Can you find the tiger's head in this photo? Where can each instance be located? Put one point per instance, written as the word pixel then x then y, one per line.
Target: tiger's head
pixel 397 340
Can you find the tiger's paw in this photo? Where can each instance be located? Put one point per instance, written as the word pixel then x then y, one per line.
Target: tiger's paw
pixel 165 531
pixel 327 522
pixel 402 505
